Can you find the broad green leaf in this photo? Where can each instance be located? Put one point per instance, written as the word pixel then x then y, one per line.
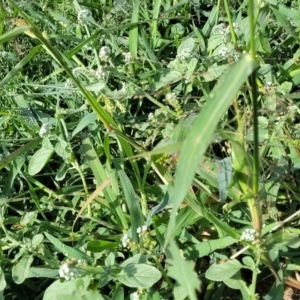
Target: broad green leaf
pixel 276 292
pixel 207 247
pixel 2 283
pixel 62 149
pixel 280 239
pixel 215 41
pixel 84 122
pixel 74 289
pixel 28 217
pixel 37 239
pixel 183 272
pixel 166 77
pixel 235 282
pixel 140 276
pixel 99 246
pixel 41 157
pixel 223 271
pixel 248 261
pixel 67 250
pixel 213 72
pixel 20 270
pixel 62 172
pixel 180 293
pixel 186 46
pixel 199 137
pixel 42 272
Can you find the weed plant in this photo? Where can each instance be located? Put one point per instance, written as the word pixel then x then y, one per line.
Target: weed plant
pixel 149 149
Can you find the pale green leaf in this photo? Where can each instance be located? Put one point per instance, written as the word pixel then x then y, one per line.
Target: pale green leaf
pixel 41 157
pixel 20 270
pixel 223 271
pixel 183 272
pixel 141 276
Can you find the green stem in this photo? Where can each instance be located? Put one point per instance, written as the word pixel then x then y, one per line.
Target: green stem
pixel 94 49
pixel 232 32
pixel 254 206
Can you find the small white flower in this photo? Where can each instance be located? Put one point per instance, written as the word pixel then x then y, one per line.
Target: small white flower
pixel 150 116
pixel 135 296
pixel 188 79
pixel 77 71
pixel 185 53
pixel 69 83
pixel 248 235
pixel 64 271
pixel 269 86
pixel 44 129
pixel 235 56
pixel 100 73
pixel 141 229
pixel 125 240
pixel 224 52
pixel 127 56
pixel 104 53
pixel 123 89
pixel 83 15
pixel 170 96
pixel 220 29
pixel 236 25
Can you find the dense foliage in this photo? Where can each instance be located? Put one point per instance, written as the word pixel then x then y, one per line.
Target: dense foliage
pixel 149 149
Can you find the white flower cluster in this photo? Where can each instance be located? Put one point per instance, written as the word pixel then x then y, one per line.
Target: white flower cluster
pixel 269 86
pixel 44 129
pixel 188 79
pixel 220 29
pixel 236 26
pixel 104 53
pixel 142 229
pixel 248 235
pixel 69 269
pixel 100 73
pixel 69 83
pixel 185 53
pixel 77 71
pixel 171 96
pixel 83 15
pixel 135 296
pixel 127 57
pixel 125 240
pixel 229 54
pixel 224 52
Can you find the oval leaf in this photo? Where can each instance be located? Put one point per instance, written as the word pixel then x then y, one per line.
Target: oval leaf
pixel 223 271
pixel 40 158
pixel 141 276
pixel 20 271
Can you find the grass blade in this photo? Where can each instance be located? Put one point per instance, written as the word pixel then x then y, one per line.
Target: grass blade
pixel 19 151
pixel 199 137
pixel 133 32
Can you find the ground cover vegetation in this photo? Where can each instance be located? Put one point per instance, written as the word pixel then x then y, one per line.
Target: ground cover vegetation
pixel 149 149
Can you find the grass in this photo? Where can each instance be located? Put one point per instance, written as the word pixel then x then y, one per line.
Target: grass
pixel 149 149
